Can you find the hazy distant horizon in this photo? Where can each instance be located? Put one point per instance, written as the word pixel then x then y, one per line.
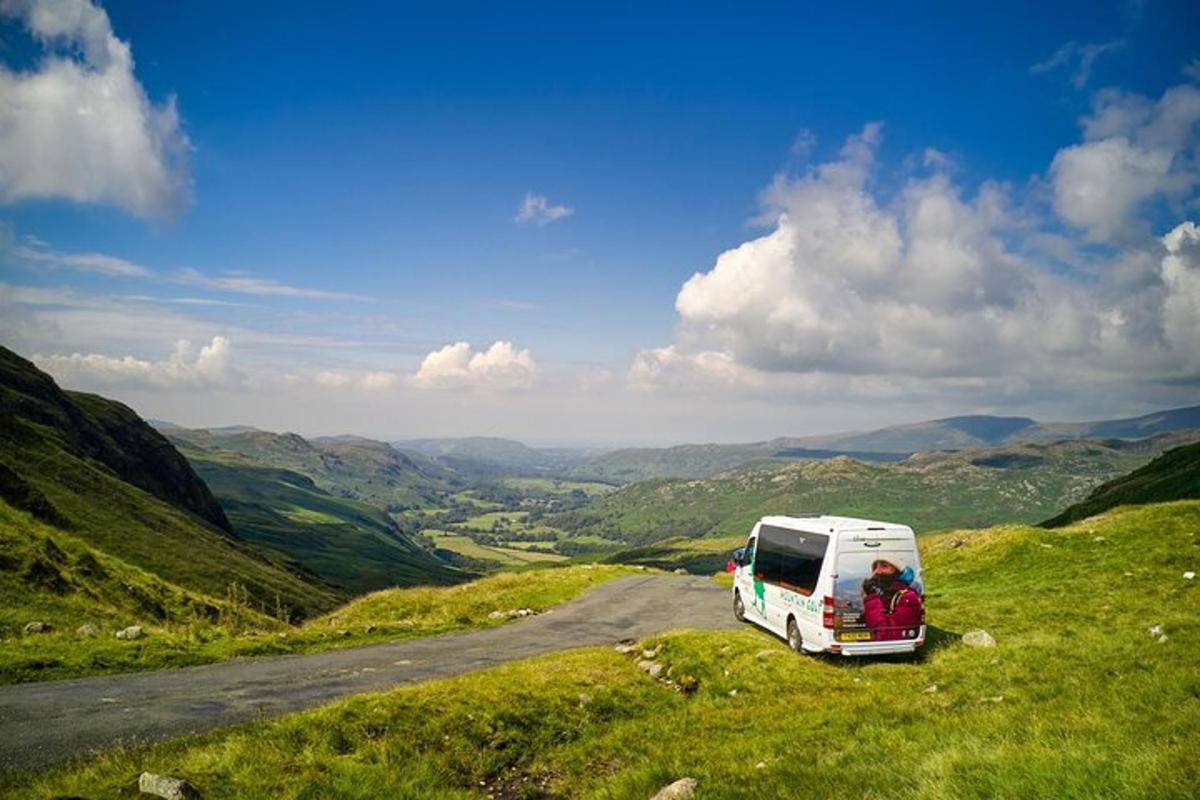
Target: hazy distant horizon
pixel 581 444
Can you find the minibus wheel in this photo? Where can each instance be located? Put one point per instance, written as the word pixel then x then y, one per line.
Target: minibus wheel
pixel 793 636
pixel 739 608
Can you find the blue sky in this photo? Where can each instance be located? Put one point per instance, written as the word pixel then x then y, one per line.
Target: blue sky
pixel 353 177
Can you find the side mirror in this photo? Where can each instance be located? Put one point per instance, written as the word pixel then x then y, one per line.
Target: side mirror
pixel 739 556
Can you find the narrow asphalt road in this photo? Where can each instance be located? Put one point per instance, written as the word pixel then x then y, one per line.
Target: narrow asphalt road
pixel 41 723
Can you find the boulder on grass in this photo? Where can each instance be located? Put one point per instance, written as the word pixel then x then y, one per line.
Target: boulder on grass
pixel 130 633
pixel 37 626
pixel 978 638
pixel 166 787
pixel 682 789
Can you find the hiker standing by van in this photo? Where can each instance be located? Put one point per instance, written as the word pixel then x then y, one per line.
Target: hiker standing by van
pixel 892 609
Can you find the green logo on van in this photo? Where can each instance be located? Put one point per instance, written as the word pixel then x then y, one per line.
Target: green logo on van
pixel 760 597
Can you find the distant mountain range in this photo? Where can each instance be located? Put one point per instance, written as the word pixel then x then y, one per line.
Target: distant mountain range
pixel 1023 482
pixel 481 456
pixel 893 443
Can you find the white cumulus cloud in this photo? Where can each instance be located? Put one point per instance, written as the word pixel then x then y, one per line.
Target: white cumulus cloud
pixel 932 290
pixel 211 367
pixel 458 366
pixel 1134 149
pixel 536 208
pixel 79 125
pixel 1181 274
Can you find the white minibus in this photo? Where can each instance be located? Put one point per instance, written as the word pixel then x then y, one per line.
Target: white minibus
pixel 832 584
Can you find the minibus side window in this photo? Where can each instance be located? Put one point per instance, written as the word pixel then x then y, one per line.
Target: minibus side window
pixel 766 563
pixel 748 556
pixel 796 558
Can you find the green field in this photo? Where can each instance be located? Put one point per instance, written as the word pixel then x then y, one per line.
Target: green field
pixel 504 556
pixel 489 521
pixel 554 486
pixel 1077 700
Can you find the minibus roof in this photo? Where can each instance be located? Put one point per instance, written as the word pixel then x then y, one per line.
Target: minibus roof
pixel 825 523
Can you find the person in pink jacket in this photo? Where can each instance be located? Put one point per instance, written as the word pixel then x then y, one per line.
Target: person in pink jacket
pixel 892 609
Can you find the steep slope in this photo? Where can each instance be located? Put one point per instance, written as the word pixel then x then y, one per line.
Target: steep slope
pixel 67 466
pixel 347 543
pixel 54 577
pixel 929 490
pixel 91 427
pixel 1175 475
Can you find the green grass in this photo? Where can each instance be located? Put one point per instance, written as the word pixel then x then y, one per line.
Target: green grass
pixel 485 522
pixel 503 556
pixel 139 529
pixel 557 486
pixel 1076 701
pixel 53 577
pixel 347 543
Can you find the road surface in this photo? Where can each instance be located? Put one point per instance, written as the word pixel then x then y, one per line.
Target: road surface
pixel 41 723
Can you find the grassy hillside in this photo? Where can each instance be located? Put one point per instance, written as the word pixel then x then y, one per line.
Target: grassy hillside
pixel 361 469
pixel 349 544
pixel 1023 483
pixel 52 577
pixel 1076 700
pixel 69 461
pixel 1175 475
pixel 35 412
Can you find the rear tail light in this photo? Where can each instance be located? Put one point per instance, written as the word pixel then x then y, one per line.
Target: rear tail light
pixel 827 612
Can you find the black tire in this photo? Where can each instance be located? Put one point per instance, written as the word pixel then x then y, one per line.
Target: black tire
pixel 739 608
pixel 794 639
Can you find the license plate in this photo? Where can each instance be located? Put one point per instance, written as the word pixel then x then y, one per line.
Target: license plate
pixel 855 636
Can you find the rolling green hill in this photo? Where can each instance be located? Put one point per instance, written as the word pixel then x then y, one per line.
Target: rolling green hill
pixel 92 468
pixel 484 456
pixel 1175 475
pixel 1022 483
pixel 348 543
pixel 1090 691
pixel 349 466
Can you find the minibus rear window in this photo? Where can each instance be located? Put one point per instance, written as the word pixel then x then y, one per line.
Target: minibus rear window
pixel 789 558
